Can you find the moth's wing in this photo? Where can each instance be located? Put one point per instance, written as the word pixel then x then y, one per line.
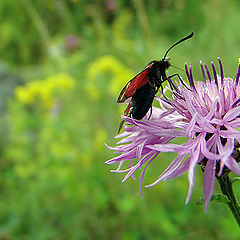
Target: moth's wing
pixel 134 84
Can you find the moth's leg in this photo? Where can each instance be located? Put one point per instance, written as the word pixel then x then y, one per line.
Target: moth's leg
pixel 127 112
pixel 150 113
pixel 176 74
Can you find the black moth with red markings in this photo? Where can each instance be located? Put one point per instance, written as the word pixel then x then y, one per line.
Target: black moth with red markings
pixel 144 86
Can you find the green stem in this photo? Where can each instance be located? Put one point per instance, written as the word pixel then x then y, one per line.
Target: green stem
pixel 226 187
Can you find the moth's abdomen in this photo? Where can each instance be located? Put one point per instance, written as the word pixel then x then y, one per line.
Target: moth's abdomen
pixel 142 101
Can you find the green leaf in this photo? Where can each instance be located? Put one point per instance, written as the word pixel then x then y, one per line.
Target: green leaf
pixel 221 198
pixel 235 179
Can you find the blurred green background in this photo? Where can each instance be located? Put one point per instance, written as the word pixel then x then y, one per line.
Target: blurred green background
pixel 62 65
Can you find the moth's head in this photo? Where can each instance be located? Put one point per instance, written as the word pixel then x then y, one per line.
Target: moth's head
pixel 165 62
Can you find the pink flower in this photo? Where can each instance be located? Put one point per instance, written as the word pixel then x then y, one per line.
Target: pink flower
pixel 207 114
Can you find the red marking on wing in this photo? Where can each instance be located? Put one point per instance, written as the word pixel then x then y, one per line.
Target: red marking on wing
pixel 134 84
pixel 137 82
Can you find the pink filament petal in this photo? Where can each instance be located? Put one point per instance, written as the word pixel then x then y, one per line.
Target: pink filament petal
pixel 232 164
pixel 209 155
pixel 143 173
pixel 232 114
pixel 191 172
pixel 169 170
pixel 178 171
pixel 230 133
pixel 208 182
pixel 138 165
pixel 170 147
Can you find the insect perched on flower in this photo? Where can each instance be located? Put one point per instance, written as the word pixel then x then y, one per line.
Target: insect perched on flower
pixel 206 115
pixel 144 86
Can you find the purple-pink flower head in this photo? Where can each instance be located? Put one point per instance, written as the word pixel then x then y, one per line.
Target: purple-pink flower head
pixel 207 114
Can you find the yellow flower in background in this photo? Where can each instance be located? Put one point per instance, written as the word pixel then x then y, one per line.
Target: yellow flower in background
pixel 45 90
pixel 106 64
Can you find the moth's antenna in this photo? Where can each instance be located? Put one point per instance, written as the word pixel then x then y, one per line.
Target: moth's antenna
pixel 177 67
pixel 181 40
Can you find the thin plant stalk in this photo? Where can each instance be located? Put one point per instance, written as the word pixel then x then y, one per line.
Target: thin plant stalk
pixel 227 189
